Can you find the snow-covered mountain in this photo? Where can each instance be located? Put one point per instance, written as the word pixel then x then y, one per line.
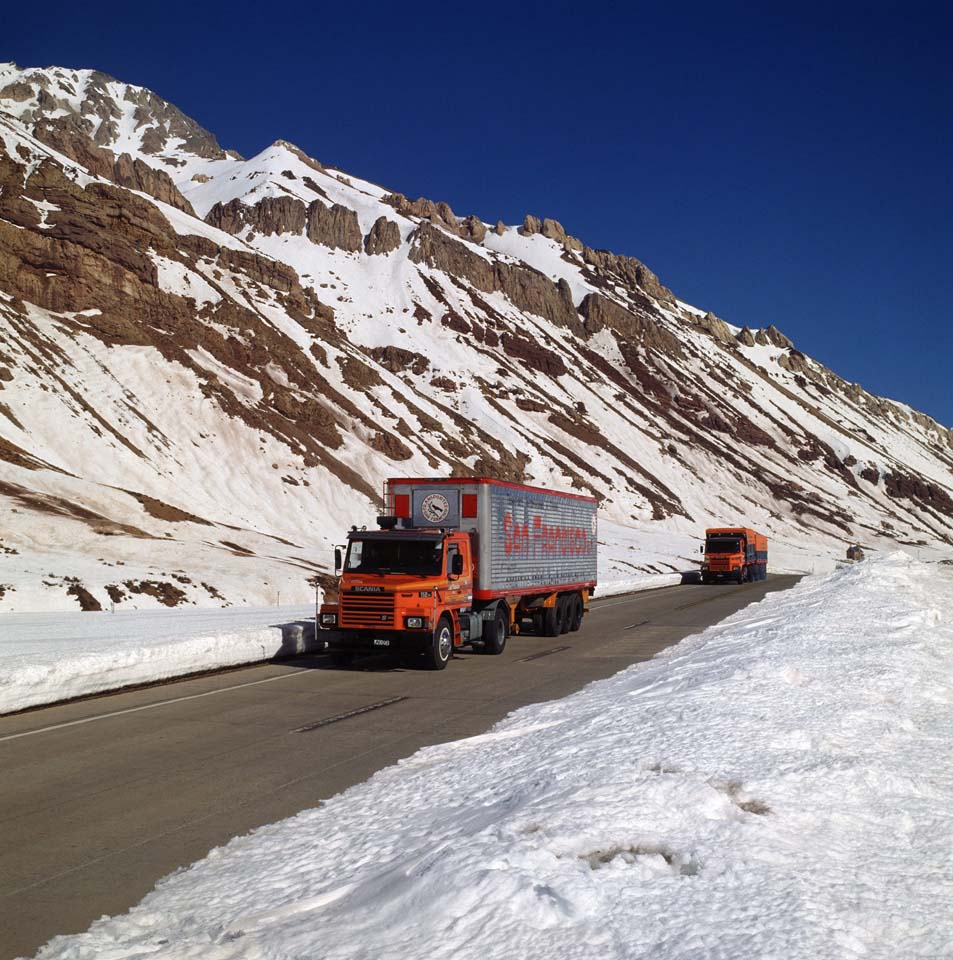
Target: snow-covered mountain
pixel 208 365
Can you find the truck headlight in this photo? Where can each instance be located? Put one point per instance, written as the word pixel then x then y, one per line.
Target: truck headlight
pixel 329 619
pixel 414 623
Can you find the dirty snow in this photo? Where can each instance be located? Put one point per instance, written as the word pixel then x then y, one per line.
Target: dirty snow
pixel 778 786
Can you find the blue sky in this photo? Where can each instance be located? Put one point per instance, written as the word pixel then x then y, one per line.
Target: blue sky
pixel 790 168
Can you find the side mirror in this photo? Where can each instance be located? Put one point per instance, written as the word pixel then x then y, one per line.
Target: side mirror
pixel 338 561
pixel 456 565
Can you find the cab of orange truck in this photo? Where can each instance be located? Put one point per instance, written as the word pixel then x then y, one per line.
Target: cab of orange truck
pixel 395 588
pixel 734 553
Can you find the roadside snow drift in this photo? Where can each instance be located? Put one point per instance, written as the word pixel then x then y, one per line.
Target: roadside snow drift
pixel 780 786
pixel 45 658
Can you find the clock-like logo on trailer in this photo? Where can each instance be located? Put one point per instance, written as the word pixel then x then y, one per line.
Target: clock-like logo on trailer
pixel 435 507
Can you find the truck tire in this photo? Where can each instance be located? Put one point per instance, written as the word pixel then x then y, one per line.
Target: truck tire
pixel 538 623
pixel 440 649
pixel 562 613
pixel 495 641
pixel 576 612
pixel 552 626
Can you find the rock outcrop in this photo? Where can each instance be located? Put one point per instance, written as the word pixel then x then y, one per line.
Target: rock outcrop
pixel 530 225
pixel 269 216
pixel 554 230
pixel 384 237
pixel 65 135
pixel 716 327
pixel 599 312
pixel 336 226
pixel 630 271
pixel 529 289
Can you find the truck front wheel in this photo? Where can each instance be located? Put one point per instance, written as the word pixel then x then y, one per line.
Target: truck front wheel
pixel 440 650
pixel 499 630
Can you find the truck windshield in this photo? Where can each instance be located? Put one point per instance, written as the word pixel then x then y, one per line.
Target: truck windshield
pixel 723 545
pixel 378 555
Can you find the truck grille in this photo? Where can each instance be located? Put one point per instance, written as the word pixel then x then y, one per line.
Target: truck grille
pixel 362 610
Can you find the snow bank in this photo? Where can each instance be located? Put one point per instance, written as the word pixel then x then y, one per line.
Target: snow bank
pixel 777 786
pixel 49 657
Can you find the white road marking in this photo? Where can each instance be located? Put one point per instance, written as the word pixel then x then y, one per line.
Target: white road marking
pixel 150 706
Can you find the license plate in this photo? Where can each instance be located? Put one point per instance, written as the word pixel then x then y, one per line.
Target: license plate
pixel 381 643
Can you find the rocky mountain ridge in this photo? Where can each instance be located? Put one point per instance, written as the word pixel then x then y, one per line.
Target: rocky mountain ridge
pixel 209 364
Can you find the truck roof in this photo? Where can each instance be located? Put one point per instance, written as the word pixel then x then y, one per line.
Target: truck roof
pixel 416 533
pixel 733 531
pixel 498 483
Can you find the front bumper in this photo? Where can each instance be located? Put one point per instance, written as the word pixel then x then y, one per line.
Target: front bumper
pixel 376 641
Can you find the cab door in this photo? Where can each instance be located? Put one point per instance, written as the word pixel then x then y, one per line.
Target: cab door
pixel 459 593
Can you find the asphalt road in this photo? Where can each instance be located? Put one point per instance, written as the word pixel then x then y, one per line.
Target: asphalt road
pixel 102 797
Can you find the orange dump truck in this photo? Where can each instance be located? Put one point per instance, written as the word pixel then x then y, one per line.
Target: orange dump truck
pixel 462 560
pixel 734 553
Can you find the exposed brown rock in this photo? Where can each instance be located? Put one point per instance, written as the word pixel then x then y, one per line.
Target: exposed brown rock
pixel 398 360
pixel 599 312
pixel 774 336
pixel 335 226
pixel 533 354
pixel 166 593
pixel 391 446
pixel 527 288
pixel 473 228
pixel 18 91
pixel 500 228
pixel 137 175
pixel 746 337
pixel 902 486
pixel 795 362
pixel 87 602
pixel 67 136
pixel 554 230
pixel 383 238
pixel 632 272
pixel 716 327
pixel 530 225
pixel 268 216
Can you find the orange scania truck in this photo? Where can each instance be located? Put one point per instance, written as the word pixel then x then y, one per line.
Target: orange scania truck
pixel 734 553
pixel 462 560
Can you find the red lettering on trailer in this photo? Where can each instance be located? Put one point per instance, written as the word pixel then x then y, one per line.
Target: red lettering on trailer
pixel 545 539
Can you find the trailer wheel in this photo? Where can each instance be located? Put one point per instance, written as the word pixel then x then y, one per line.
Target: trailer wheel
pixel 538 623
pixel 552 625
pixel 576 612
pixel 499 631
pixel 440 650
pixel 562 613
